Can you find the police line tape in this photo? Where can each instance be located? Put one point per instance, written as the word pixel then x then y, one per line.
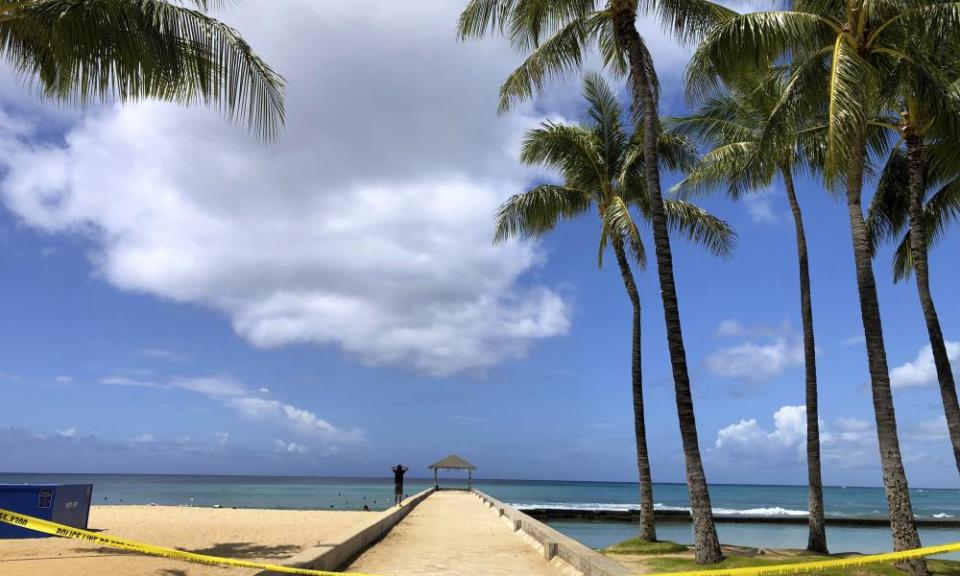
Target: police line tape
pixel 54 529
pixel 812 567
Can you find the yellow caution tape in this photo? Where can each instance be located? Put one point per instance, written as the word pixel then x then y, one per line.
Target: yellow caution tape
pixel 54 529
pixel 808 567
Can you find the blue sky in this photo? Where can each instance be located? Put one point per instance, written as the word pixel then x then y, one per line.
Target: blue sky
pixel 180 298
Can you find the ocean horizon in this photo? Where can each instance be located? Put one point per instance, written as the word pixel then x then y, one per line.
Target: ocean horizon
pixel 352 493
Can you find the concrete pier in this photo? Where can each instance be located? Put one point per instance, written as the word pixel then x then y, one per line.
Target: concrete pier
pixel 454 533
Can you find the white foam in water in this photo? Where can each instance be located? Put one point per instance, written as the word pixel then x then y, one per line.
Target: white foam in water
pixel 943 516
pixel 775 511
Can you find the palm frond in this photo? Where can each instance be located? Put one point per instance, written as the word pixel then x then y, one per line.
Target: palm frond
pixel 572 150
pixel 531 21
pixel 701 227
pixel 80 51
pixel 559 56
pixel 686 20
pixel 758 40
pixel 481 17
pixel 618 225
pixel 889 210
pixel 537 211
pixel 941 210
pixel 605 112
pixel 735 167
pixel 850 86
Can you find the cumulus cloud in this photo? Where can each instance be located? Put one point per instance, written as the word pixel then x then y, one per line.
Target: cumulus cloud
pixel 367 226
pixel 68 433
pixel 757 362
pixel 921 371
pixel 747 440
pixel 844 442
pixel 289 447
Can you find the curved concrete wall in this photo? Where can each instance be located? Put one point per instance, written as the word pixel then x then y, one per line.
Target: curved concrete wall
pixel 338 554
pixel 554 544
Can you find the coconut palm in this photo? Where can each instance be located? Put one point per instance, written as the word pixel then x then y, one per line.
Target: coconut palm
pixel 842 53
pixel 602 168
pixel 81 51
pixel 556 35
pixel 732 123
pixel 924 205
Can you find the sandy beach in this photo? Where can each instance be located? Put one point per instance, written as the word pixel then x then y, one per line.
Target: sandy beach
pixel 258 535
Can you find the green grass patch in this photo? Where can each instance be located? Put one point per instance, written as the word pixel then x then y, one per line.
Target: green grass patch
pixel 942 567
pixel 638 546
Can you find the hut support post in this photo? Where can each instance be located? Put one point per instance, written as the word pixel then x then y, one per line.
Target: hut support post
pixel 435 486
pixel 469 479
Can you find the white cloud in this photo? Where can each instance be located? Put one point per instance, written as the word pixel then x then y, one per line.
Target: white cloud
pixel 222 438
pixel 65 379
pixel 68 433
pixel 248 403
pixel 144 438
pixel 760 207
pixel 729 328
pixel 852 341
pixel 163 354
pixel 757 362
pixel 367 226
pixel 746 439
pixel 289 447
pixel 922 371
pixel 132 382
pixel 845 443
pixel 216 387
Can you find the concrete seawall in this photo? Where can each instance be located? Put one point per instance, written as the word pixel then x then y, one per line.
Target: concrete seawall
pixel 552 544
pixel 548 514
pixel 336 555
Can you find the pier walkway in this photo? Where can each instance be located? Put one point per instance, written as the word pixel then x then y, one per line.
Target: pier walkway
pixel 453 533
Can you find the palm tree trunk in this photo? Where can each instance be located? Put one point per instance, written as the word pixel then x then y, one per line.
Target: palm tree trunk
pixel 706 543
pixel 817 537
pixel 918 250
pixel 902 524
pixel 648 527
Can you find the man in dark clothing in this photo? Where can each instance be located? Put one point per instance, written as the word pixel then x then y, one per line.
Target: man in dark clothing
pixel 398 472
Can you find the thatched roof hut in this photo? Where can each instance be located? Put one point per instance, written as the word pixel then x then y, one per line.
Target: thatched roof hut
pixel 453 462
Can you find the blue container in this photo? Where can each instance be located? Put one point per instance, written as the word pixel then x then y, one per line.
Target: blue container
pixel 61 503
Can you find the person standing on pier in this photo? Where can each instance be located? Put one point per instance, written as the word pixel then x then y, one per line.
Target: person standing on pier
pixel 398 472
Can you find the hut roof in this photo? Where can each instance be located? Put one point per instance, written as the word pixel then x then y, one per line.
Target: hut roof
pixel 453 461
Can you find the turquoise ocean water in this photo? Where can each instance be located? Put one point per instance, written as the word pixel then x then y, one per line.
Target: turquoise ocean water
pixel 353 493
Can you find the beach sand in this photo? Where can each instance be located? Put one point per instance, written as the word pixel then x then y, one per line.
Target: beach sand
pixel 257 535
pixel 453 533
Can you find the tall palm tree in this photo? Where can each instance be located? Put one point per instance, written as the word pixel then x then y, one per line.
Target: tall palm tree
pixel 556 34
pixel 602 168
pixel 732 122
pixel 842 53
pixel 924 205
pixel 80 51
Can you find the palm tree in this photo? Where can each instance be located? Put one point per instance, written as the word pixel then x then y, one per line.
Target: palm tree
pixel 602 167
pixel 556 34
pixel 842 52
pixel 924 204
pixel 732 122
pixel 80 51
